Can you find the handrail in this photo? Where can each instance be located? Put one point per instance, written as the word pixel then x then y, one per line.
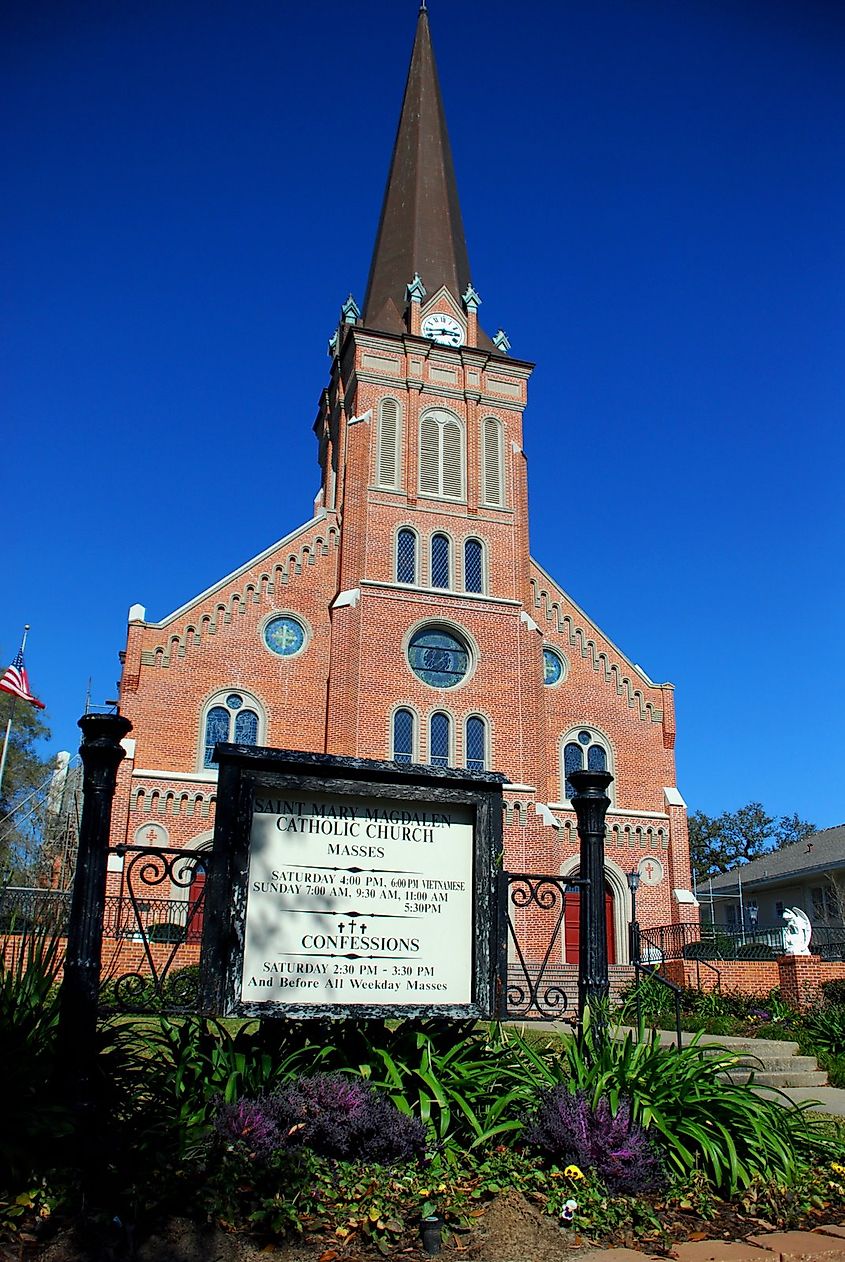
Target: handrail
pixel 676 990
pixel 713 969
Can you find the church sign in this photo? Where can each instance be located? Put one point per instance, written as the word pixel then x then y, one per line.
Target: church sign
pixel 344 886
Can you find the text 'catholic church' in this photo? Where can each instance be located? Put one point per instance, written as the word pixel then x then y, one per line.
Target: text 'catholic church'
pixel 407 620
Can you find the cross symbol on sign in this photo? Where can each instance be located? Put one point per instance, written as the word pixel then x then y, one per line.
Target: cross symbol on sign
pixel 649 870
pixel 152 836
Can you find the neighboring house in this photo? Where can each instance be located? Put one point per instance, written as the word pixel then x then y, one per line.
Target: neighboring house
pixel 809 874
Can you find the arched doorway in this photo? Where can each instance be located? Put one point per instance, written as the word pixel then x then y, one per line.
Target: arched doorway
pixel 572 926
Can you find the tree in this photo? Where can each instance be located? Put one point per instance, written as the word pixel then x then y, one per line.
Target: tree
pixel 25 782
pixel 720 843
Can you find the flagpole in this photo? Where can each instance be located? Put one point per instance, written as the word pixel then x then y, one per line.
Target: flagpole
pixel 11 716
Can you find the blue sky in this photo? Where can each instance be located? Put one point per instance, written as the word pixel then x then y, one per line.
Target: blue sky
pixel 653 195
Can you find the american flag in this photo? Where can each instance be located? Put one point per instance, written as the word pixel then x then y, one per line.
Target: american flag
pixel 16 682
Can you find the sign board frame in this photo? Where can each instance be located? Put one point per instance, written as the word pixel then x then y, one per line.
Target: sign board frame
pixel 247 771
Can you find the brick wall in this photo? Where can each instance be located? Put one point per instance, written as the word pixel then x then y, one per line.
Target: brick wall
pixel 798 977
pixel 339 693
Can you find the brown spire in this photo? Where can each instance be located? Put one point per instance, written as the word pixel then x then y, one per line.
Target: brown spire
pixel 421 229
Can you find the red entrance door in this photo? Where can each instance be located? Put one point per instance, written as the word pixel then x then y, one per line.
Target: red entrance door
pixel 572 926
pixel 196 906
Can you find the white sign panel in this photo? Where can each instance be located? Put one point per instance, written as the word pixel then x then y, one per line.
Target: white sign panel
pixel 358 901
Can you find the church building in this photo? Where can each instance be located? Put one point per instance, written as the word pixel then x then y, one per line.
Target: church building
pixel 407 620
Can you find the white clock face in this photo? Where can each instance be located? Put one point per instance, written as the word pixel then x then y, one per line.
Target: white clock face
pixel 443 329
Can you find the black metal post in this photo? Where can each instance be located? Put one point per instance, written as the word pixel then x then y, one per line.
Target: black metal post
pixel 590 803
pixel 634 929
pixel 101 754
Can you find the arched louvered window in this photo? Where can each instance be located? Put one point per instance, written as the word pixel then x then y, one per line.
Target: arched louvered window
pixel 583 749
pixel 439 739
pixel 441 456
pixel 491 460
pixel 476 743
pixel 230 717
pixel 406 556
pixel 473 566
pixel 440 560
pixel 387 472
pixel 403 736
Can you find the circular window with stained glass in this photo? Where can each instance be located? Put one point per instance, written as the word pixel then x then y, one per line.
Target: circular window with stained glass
pixel 438 657
pixel 285 636
pixel 553 667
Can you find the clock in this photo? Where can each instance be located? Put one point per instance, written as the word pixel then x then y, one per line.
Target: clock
pixel 443 329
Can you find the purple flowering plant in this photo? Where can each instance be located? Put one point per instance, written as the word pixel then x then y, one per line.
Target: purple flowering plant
pixel 568 1129
pixel 329 1114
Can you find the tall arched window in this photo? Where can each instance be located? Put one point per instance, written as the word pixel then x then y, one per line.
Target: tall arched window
pixel 406 556
pixel 583 750
pixel 491 462
pixel 441 456
pixel 231 717
pixel 439 739
pixel 473 566
pixel 440 560
pixel 387 464
pixel 403 736
pixel 476 743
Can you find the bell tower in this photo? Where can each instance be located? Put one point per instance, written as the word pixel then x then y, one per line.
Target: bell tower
pixel 421 446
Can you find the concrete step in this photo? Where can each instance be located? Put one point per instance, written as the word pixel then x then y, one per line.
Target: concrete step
pixel 777 1078
pixel 778 1064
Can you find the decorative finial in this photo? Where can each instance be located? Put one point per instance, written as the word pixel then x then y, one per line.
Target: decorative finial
pixel 471 299
pixel 501 343
pixel 422 7
pixel 415 290
pixel 333 341
pixel 350 312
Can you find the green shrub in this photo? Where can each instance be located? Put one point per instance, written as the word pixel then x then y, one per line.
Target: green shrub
pixel 168 931
pixel 755 951
pixel 33 1114
pixel 701 1120
pixel 825 1026
pixel 833 992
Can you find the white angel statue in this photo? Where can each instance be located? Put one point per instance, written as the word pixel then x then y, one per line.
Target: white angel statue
pixel 797 933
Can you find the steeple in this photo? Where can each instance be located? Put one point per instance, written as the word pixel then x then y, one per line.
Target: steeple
pixel 421 231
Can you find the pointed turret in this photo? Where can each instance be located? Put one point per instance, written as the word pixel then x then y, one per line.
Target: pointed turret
pixel 421 231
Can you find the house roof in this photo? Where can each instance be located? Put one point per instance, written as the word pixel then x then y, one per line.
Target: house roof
pixel 819 853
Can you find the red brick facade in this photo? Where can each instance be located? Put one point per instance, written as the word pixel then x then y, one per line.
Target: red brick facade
pixel 337 575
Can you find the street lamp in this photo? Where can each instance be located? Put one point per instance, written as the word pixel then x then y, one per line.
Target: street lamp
pixel 634 928
pixel 753 914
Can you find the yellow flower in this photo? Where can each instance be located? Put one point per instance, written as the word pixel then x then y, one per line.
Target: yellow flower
pixel 572 1172
pixel 837 1168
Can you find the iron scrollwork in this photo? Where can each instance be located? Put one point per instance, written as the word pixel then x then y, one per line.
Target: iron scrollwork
pixel 534 988
pixel 162 906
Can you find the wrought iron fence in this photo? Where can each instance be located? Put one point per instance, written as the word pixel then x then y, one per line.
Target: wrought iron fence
pixel 532 911
pixel 719 942
pixel 145 929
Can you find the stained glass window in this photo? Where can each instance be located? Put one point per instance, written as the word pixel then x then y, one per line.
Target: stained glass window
pixel 439 561
pixel 596 758
pixel 438 658
pixel 246 728
pixel 552 667
pixel 589 752
pixel 439 740
pixel 232 722
pixel 406 557
pixel 476 745
pixel 284 636
pixel 572 761
pixel 403 736
pixel 473 566
pixel 216 729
